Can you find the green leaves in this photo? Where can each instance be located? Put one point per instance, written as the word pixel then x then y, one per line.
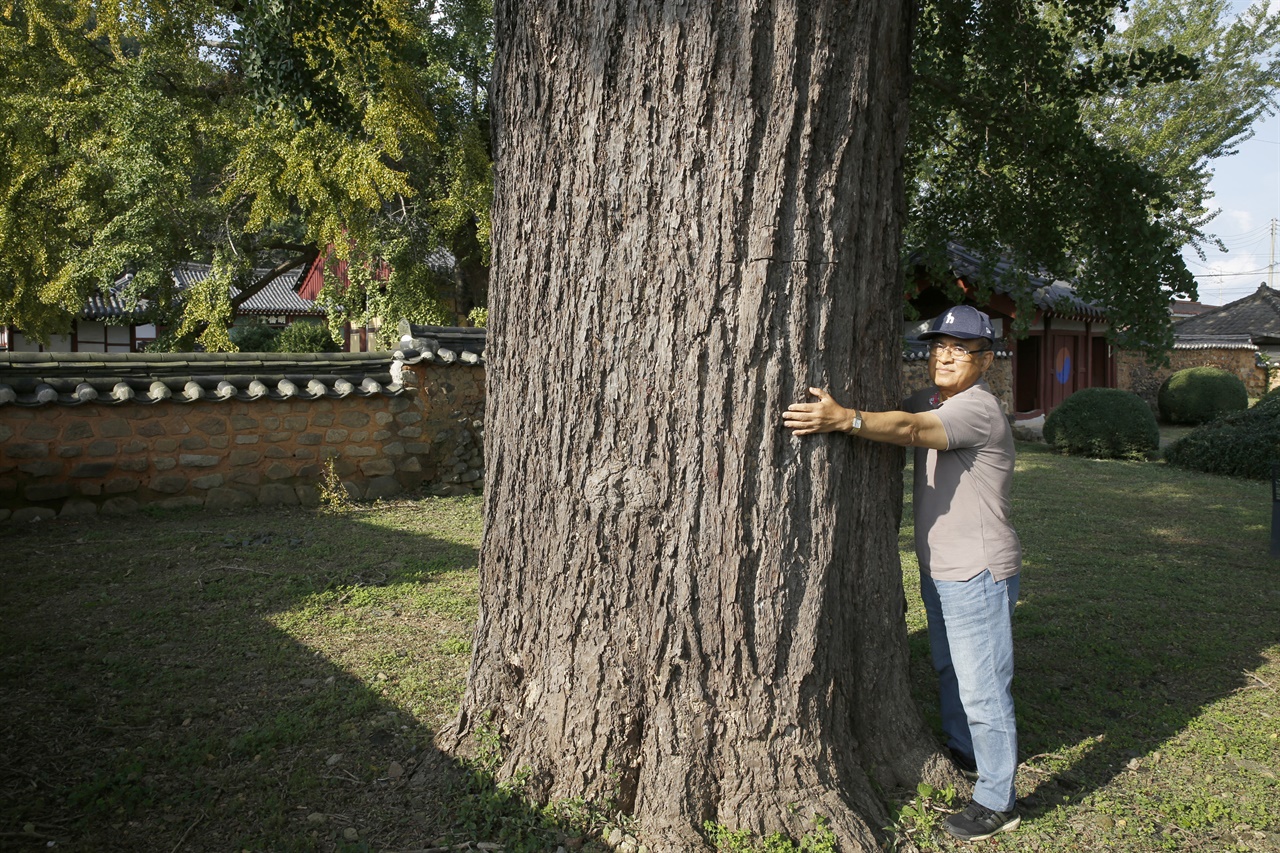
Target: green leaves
pixel 1074 142
pixel 1176 126
pixel 136 135
pixel 1079 149
pixel 1141 66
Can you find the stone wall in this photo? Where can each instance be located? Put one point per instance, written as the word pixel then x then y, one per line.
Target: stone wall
pixel 96 458
pixel 1133 373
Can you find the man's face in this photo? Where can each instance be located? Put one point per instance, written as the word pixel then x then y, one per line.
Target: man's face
pixel 951 370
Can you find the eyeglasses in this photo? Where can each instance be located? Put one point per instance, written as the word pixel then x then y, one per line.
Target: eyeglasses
pixel 958 353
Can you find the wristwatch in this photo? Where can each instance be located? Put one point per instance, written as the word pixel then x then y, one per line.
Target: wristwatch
pixel 857 421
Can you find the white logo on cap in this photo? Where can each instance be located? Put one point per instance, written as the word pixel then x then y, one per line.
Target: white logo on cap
pixel 951 318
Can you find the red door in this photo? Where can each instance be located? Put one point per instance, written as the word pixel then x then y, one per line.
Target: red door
pixel 1065 366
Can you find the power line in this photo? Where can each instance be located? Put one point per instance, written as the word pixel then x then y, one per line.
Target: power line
pixel 1261 271
pixel 1210 275
pixel 1251 234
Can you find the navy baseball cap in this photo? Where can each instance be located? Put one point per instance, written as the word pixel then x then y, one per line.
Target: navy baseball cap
pixel 964 322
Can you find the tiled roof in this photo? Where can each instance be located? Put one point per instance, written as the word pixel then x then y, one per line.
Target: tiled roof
pixel 74 378
pixel 278 297
pixel 1213 342
pixel 1187 308
pixel 103 307
pixel 445 344
pixel 1254 316
pixel 442 261
pixel 1054 297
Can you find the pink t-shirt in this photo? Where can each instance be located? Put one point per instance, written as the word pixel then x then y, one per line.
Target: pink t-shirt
pixel 962 493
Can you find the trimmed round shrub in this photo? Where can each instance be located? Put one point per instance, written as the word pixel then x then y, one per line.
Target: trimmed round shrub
pixel 1197 395
pixel 1105 423
pixel 1239 444
pixel 254 337
pixel 306 337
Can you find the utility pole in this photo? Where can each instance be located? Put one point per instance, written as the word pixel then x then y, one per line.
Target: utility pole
pixel 1271 270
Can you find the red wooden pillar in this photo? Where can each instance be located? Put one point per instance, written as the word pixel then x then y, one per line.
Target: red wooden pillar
pixel 1088 355
pixel 1046 367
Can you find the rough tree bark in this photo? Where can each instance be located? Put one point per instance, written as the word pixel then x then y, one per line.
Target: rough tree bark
pixel 696 217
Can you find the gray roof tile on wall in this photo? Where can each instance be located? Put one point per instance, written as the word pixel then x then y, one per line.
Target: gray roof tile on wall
pixel 1213 342
pixel 37 379
pixel 445 344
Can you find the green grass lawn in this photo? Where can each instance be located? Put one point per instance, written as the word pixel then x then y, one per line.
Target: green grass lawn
pixel 271 680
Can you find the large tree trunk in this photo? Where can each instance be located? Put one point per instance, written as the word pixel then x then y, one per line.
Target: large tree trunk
pixel 696 217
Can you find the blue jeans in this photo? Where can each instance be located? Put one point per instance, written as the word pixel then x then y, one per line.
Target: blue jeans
pixel 971 642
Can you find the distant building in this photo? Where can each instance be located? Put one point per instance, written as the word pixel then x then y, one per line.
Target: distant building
pixel 100 327
pixel 1242 337
pixel 1182 308
pixel 1255 317
pixel 1251 323
pixel 327 267
pixel 277 304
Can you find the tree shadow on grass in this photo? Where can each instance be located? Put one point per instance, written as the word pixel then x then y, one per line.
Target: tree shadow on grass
pixel 1130 621
pixel 265 680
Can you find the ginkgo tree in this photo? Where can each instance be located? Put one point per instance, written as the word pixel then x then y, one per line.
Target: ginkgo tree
pixel 249 135
pixel 1179 128
pixel 699 207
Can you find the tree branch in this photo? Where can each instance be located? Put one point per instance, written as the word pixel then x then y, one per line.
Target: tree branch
pixel 309 254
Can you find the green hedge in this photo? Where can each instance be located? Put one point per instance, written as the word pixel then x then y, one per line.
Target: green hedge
pixel 1240 444
pixel 305 336
pixel 1104 423
pixel 1197 395
pixel 255 337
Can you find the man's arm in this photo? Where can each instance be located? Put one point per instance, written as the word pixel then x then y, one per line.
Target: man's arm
pixel 902 428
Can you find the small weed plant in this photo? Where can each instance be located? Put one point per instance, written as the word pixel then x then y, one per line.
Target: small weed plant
pixel 333 494
pixel 915 821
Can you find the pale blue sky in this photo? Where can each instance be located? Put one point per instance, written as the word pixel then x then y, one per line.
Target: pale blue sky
pixel 1246 187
